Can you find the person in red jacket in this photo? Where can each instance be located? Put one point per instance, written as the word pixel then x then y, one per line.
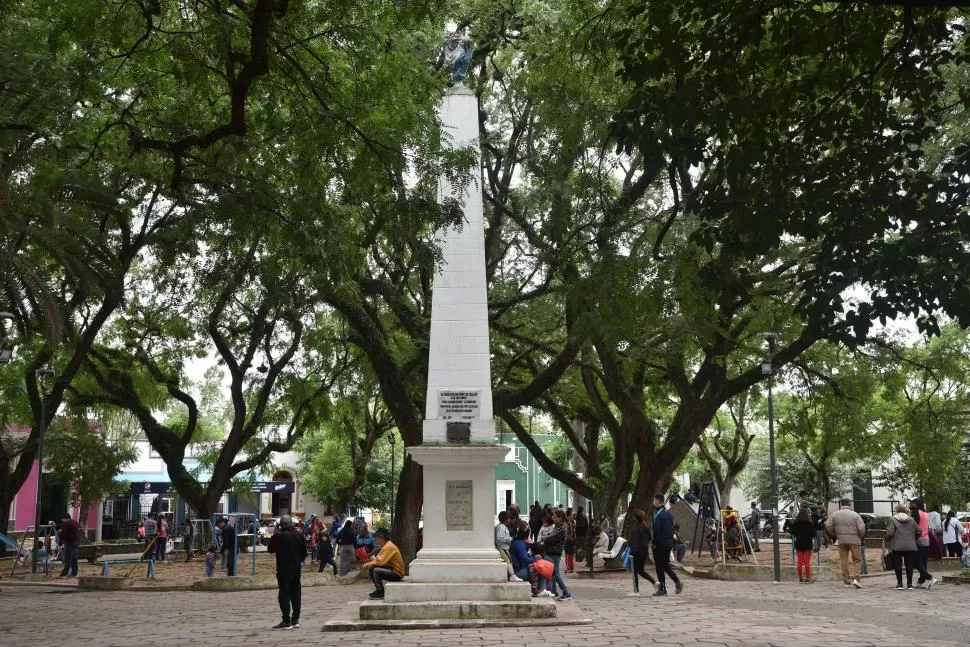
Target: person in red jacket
pixel 69 539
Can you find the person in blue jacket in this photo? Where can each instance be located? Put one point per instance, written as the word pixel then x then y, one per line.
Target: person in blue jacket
pixel 663 543
pixel 519 552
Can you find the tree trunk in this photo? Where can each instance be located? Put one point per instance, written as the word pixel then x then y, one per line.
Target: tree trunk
pixel 407 508
pixel 726 487
pixel 6 502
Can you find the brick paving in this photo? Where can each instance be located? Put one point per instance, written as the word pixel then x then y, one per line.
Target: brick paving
pixel 708 614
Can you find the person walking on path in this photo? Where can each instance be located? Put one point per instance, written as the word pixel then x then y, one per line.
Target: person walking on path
pixel 663 543
pixel 919 515
pixel 289 546
pixel 937 549
pixel 902 533
pixel 755 527
pixel 639 549
pixel 346 542
pixel 847 527
pixel 70 533
pixel 803 537
pixel 953 535
pixel 386 566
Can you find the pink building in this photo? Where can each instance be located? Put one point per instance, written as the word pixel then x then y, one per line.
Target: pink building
pixel 55 502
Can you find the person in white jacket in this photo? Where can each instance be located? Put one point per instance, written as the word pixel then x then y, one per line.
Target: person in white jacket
pixel 953 535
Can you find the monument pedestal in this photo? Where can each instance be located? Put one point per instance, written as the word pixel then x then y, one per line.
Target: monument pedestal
pixel 459 513
pixel 458 574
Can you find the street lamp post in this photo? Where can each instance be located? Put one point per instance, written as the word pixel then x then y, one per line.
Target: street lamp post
pixel 44 377
pixel 767 368
pixel 391 439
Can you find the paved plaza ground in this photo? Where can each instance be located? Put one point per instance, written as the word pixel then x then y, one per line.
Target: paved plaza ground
pixel 708 613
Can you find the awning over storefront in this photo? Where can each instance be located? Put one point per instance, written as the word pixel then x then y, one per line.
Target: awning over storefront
pixel 261 487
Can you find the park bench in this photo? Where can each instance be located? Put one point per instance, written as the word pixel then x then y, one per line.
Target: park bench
pixel 106 565
pixel 611 559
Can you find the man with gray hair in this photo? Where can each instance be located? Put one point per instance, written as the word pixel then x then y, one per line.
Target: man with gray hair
pixel 290 549
pixel 848 528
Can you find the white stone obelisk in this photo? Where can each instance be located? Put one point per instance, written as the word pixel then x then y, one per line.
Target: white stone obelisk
pixel 459 471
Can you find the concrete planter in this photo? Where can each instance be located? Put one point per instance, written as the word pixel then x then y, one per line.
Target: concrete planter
pixel 956 579
pixel 98 583
pixel 766 573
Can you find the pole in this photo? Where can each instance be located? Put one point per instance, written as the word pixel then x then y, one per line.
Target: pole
pixel 40 477
pixel 393 501
pixel 775 544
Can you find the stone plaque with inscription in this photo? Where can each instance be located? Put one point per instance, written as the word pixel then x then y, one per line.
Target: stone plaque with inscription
pixel 459 405
pixel 458 506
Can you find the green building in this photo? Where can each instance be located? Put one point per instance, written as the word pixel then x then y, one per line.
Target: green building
pixel 520 479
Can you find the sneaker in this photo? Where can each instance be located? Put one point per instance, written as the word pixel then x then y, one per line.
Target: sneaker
pixel 376 595
pixel 295 625
pixel 920 585
pixel 900 588
pixel 930 584
pixel 516 578
pixel 809 581
pixel 546 594
pixel 565 598
pixel 910 588
pixel 856 584
pixel 847 585
pixel 660 594
pixel 282 625
pixel 679 588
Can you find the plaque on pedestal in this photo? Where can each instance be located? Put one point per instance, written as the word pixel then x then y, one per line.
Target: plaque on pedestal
pixel 458 506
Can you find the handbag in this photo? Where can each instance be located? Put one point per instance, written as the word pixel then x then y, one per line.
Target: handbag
pixel 627 559
pixel 888 559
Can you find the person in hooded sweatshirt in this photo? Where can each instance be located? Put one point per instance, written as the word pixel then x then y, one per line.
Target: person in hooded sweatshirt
pixel 803 536
pixel 902 533
pixel 918 512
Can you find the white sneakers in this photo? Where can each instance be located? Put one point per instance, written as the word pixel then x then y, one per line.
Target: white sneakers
pixel 856 584
pixel 930 584
pixel 546 593
pixel 516 578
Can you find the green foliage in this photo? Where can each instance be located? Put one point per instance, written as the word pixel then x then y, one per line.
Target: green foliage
pixel 927 418
pixel 83 452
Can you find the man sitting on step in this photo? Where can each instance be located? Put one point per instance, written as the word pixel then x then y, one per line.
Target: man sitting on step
pixel 386 566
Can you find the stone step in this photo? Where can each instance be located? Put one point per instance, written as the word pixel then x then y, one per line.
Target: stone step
pixel 458 610
pixel 407 591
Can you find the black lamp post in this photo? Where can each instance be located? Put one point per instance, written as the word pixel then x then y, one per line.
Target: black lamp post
pixel 391 439
pixel 45 376
pixel 767 368
pixel 6 346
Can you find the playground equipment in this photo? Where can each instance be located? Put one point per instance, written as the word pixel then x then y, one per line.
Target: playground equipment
pixel 47 535
pixel 238 521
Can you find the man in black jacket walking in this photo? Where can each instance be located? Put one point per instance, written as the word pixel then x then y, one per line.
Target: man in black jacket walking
pixel 289 546
pixel 663 543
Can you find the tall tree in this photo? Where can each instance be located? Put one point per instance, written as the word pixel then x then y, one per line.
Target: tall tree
pixel 726 448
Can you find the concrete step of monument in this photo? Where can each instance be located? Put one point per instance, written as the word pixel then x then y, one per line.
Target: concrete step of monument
pixel 408 591
pixel 458 610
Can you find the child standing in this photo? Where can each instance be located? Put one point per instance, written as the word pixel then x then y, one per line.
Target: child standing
pixel 325 553
pixel 541 572
pixel 211 553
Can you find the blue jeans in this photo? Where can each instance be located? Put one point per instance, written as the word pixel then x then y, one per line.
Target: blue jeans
pixel 160 545
pixel 69 557
pixel 523 573
pixel 922 555
pixel 556 576
pixel 210 570
pixel 864 568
